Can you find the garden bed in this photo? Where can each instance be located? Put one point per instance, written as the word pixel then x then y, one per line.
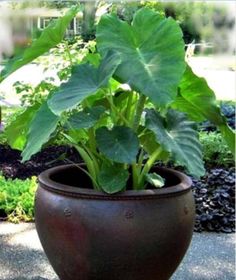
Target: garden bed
pixel 12 167
pixel 214 193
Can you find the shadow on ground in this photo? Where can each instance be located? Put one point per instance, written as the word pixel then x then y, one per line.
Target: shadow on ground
pixel 21 263
pixel 210 257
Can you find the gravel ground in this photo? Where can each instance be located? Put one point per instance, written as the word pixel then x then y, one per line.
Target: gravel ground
pixel 210 257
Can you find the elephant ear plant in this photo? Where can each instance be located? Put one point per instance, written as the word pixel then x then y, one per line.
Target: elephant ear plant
pixel 132 103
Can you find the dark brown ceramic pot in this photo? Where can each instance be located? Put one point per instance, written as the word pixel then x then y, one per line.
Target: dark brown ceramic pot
pixel 135 235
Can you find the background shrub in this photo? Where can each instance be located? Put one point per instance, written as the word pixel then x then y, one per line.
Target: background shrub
pixel 9 114
pixel 215 151
pixel 17 199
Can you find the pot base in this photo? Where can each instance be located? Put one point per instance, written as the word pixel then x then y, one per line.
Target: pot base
pixel 88 235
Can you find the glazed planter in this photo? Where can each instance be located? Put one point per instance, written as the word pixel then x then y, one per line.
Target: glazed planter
pixel 134 235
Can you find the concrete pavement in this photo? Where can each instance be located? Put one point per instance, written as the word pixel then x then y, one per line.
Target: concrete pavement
pixel 216 70
pixel 211 256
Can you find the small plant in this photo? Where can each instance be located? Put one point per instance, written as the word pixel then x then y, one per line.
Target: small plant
pixel 31 94
pixel 9 115
pixel 17 199
pixel 128 104
pixel 215 151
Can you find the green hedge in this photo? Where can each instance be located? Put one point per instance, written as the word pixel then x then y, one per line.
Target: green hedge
pixel 215 151
pixel 17 199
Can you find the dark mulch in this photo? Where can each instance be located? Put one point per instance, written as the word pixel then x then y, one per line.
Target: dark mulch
pixel 215 201
pixel 214 193
pixel 12 167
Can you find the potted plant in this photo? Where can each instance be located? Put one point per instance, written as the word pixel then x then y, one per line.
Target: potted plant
pixel 128 104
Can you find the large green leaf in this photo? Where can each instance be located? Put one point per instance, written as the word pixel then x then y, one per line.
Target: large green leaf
pixel 112 178
pixel 42 126
pixel 152 53
pixel 177 136
pixel 198 100
pixel 86 118
pixel 148 142
pixel 16 131
pixel 120 144
pixel 85 80
pixel 50 37
pixel 10 62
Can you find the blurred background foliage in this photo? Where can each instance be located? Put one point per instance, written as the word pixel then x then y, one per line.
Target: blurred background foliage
pixel 211 25
pixel 201 22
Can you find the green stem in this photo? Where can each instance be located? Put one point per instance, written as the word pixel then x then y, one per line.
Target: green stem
pixel 135 176
pixel 87 173
pixel 116 111
pixel 128 110
pixel 91 165
pixel 148 165
pixel 94 160
pixel 144 132
pixel 136 170
pixel 89 159
pixel 139 111
pixel 140 159
pixel 92 141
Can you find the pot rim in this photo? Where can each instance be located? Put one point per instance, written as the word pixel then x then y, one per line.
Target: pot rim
pixel 47 183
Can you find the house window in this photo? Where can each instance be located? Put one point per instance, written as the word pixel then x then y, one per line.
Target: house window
pixel 46 22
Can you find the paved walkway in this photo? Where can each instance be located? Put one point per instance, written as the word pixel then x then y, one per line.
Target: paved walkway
pixel 210 257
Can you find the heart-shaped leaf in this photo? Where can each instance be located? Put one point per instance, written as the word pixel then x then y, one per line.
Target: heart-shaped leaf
pixel 120 144
pixel 148 141
pixel 152 53
pixel 84 81
pixel 198 101
pixel 42 126
pixel 86 118
pixel 177 136
pixel 112 178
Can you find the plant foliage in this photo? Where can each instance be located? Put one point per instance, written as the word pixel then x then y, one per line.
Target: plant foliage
pixel 17 199
pixel 121 130
pixel 215 151
pixel 150 65
pixel 198 101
